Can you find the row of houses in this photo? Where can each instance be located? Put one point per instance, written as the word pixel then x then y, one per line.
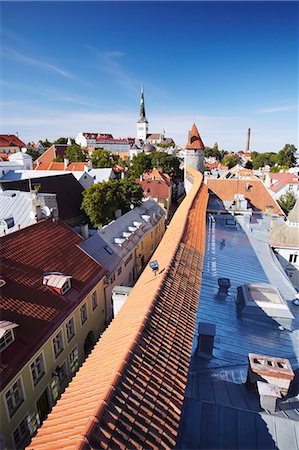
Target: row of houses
pixel 60 284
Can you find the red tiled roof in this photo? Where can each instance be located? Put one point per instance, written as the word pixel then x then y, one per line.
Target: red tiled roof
pixel 10 140
pixel 155 188
pixel 157 175
pixel 76 166
pixel 56 150
pixel 130 391
pixel 36 308
pixel 279 180
pixel 257 194
pixel 194 139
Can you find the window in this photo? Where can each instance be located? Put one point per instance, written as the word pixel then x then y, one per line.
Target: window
pixel 112 279
pixel 70 329
pixel 66 286
pixel 62 374
pixel 6 339
pixel 14 397
pixel 293 258
pixel 94 300
pixel 128 259
pixel 74 359
pixel 119 271
pixel 142 245
pixel 108 249
pixel 83 313
pixel 58 344
pixel 37 369
pixel 21 433
pixel 152 234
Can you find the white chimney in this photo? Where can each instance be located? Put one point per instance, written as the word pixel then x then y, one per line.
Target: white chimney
pixel 66 163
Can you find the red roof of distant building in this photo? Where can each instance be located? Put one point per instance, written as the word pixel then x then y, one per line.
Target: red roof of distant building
pixel 73 167
pixel 194 139
pixel 253 190
pixel 25 255
pixel 154 188
pixel 279 180
pixel 156 174
pixel 118 169
pixel 56 150
pixel 4 157
pixel 10 140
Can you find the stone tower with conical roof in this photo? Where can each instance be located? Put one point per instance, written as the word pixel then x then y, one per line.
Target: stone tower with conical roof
pixel 194 150
pixel 142 124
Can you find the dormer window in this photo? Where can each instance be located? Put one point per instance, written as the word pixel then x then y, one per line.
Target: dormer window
pixel 6 334
pixel 61 283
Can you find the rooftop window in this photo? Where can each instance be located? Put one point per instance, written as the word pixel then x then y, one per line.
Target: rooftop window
pixel 108 249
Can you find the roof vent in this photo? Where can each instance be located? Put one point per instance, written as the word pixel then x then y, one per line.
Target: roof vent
pixel 206 334
pixel 224 285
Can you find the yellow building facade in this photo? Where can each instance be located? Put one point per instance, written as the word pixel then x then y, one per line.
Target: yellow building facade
pixel 31 394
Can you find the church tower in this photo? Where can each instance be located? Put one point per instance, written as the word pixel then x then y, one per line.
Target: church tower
pixel 142 124
pixel 194 152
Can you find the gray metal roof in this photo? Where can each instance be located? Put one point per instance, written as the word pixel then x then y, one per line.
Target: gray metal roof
pixel 219 412
pixel 18 206
pixel 96 245
pixel 98 249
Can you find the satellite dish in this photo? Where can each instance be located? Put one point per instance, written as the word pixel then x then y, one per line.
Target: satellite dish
pixel 45 210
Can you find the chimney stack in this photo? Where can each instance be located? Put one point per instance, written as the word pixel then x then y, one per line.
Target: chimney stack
pixel 248 140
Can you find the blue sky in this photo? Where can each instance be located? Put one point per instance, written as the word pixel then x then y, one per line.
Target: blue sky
pixel 70 66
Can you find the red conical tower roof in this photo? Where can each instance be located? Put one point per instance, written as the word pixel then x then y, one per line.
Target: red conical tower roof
pixel 194 139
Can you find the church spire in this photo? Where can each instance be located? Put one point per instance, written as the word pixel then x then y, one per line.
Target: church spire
pixel 142 116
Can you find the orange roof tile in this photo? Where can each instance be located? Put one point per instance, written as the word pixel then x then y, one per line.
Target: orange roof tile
pixel 77 166
pixel 253 190
pixel 129 393
pixel 194 139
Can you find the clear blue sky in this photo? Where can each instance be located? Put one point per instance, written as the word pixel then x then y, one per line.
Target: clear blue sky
pixel 70 66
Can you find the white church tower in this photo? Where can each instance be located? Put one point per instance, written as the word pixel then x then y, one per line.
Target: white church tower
pixel 142 124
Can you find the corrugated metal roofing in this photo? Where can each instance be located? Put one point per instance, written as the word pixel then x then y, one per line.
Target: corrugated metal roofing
pixel 219 412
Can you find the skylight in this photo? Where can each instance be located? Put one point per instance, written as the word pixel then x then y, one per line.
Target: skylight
pixel 108 249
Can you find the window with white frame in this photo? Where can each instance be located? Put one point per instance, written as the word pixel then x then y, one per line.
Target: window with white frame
pixel 6 339
pixel 74 359
pixel 21 433
pixel 62 374
pixel 83 313
pixel 14 397
pixel 58 344
pixel 94 300
pixel 37 369
pixel 70 329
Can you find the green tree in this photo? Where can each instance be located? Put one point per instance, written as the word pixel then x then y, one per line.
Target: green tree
pixel 287 202
pixel 140 163
pixel 231 160
pixel 263 159
pixel 33 153
pixel 46 145
pixel 101 200
pixel 286 156
pixel 169 164
pixel 61 140
pixel 103 158
pixel 74 153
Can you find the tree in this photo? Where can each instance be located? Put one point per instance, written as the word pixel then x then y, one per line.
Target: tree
pixel 286 156
pixel 263 159
pixel 231 160
pixel 169 164
pixel 287 202
pixel 46 144
pixel 140 163
pixel 103 158
pixel 74 153
pixel 101 200
pixel 33 153
pixel 61 140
